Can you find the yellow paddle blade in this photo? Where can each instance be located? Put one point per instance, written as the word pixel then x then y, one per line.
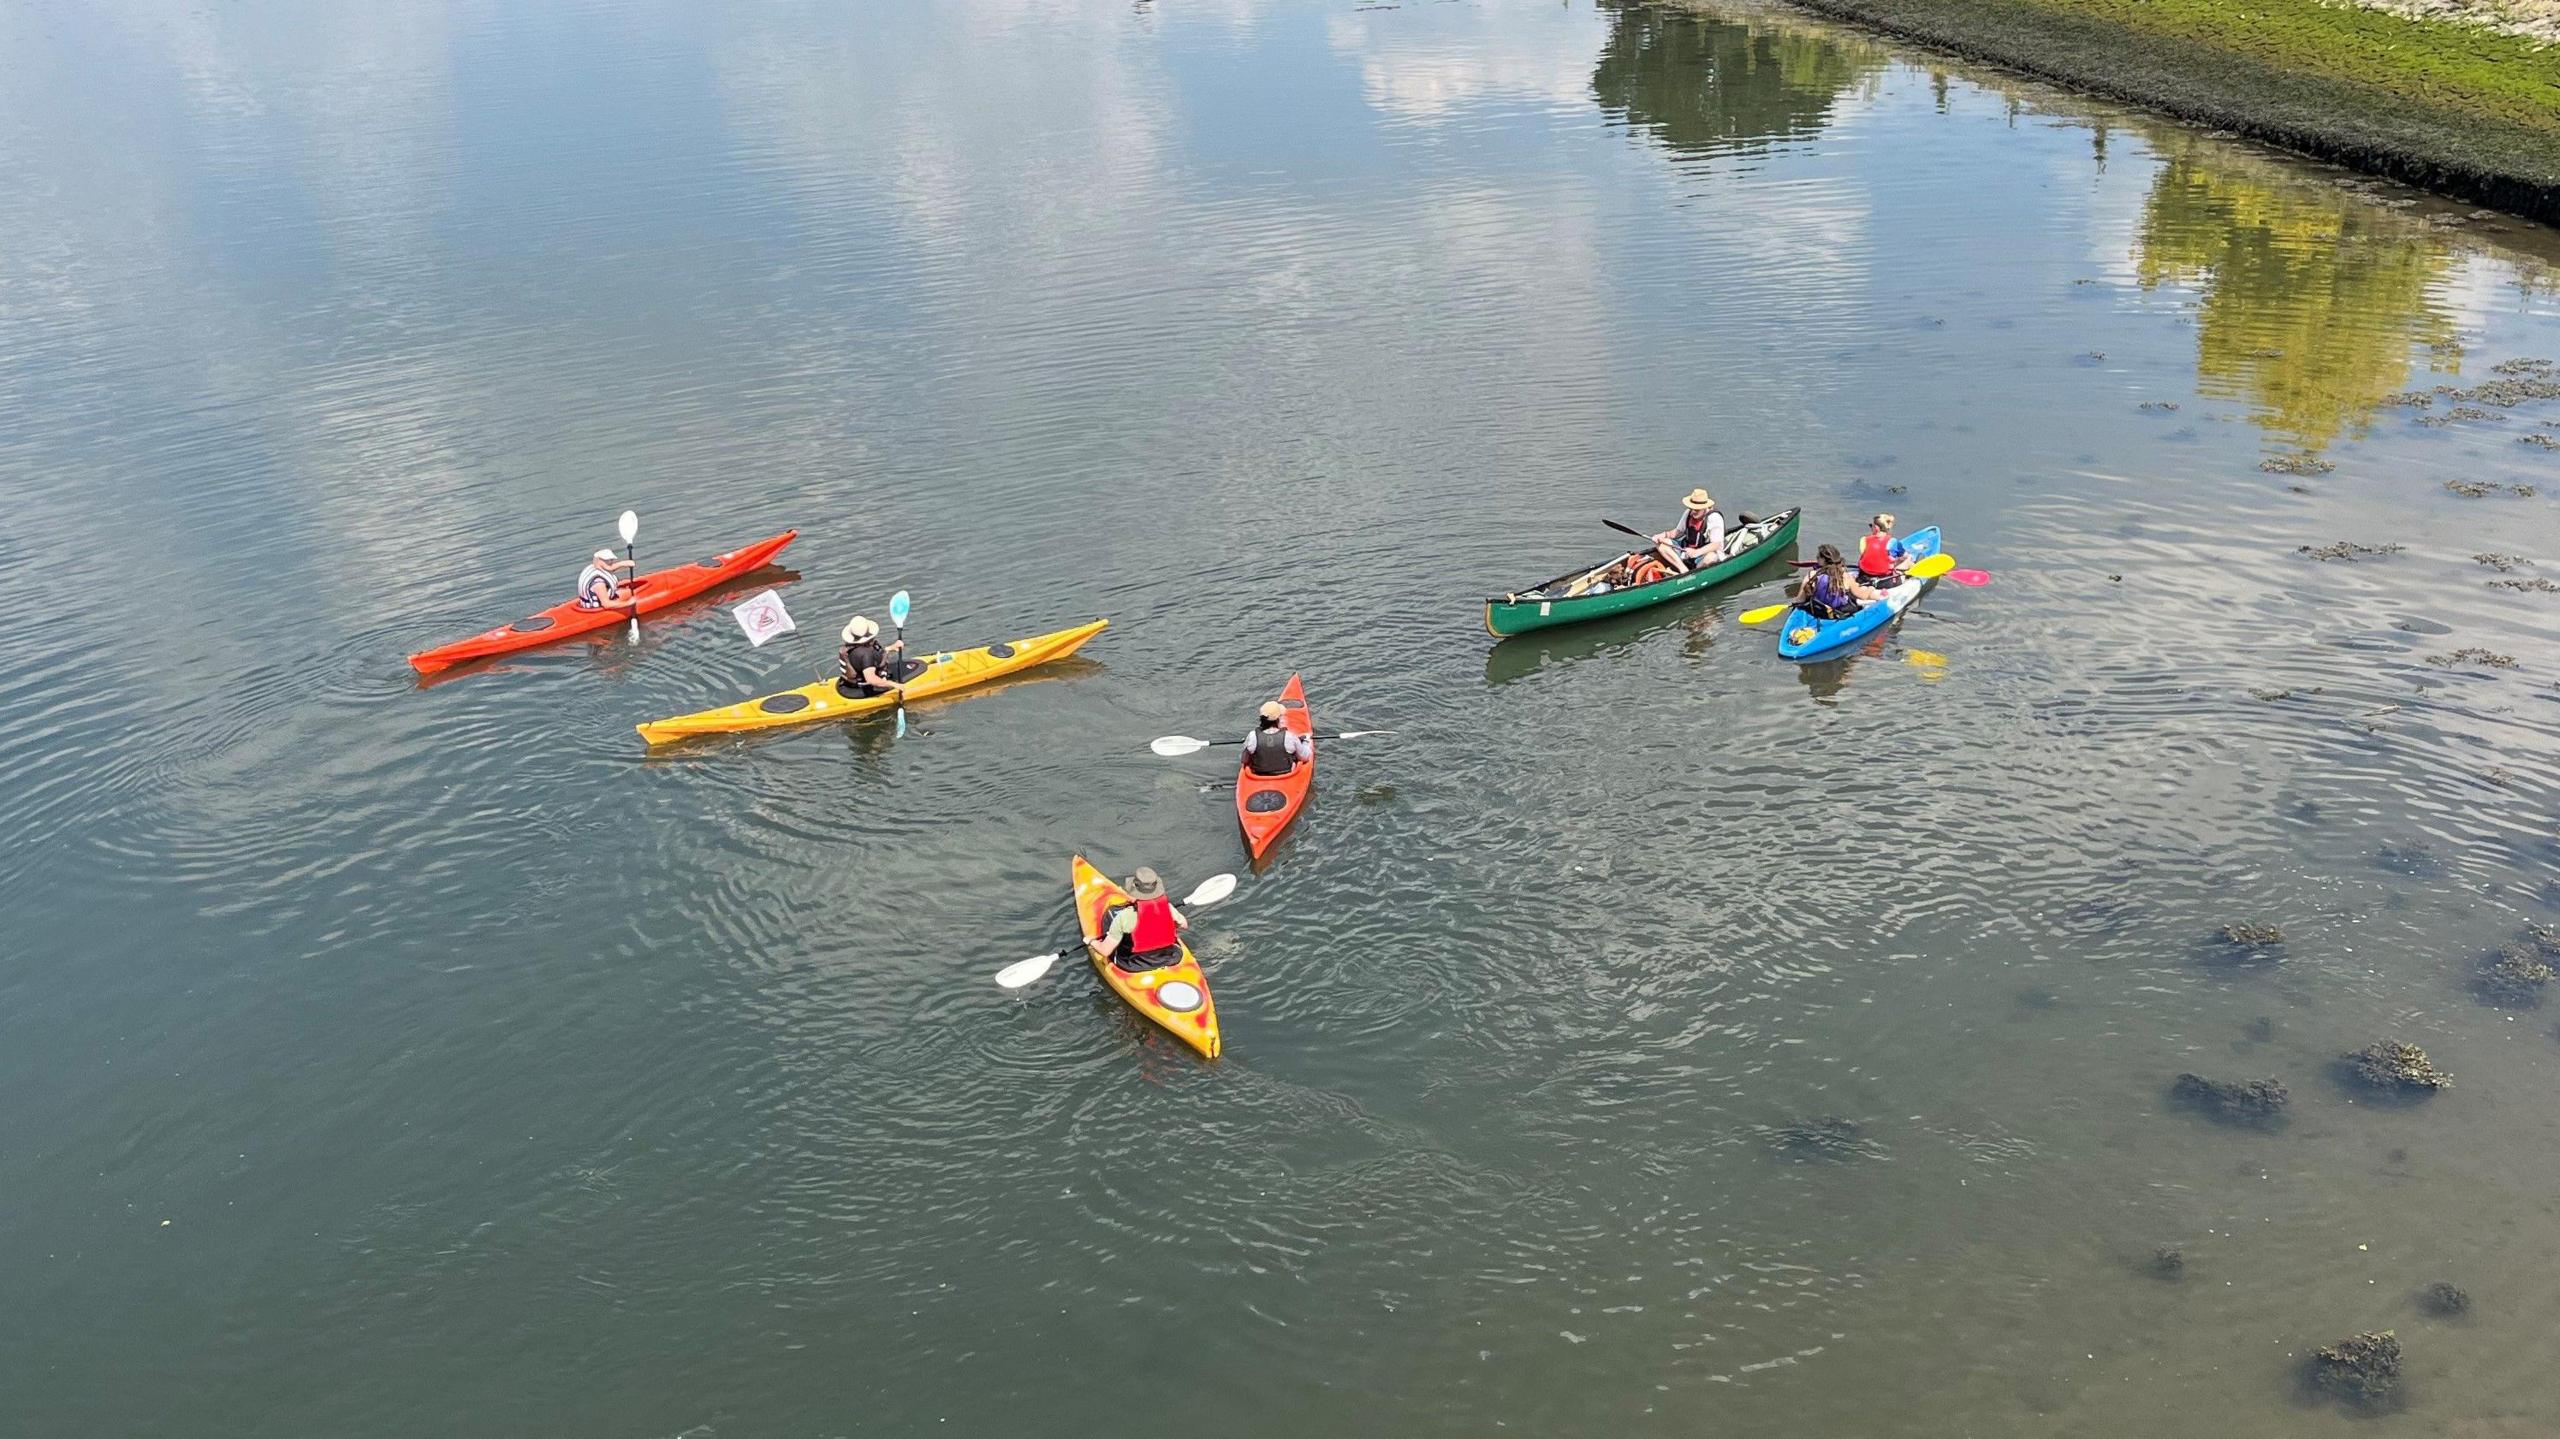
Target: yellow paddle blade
pixel 1934 566
pixel 1764 614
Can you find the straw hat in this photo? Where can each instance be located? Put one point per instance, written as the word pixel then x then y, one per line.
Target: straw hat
pixel 859 628
pixel 1272 711
pixel 1699 499
pixel 1145 885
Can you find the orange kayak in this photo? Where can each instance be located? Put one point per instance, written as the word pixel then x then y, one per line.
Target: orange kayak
pixel 655 591
pixel 1175 996
pixel 1266 803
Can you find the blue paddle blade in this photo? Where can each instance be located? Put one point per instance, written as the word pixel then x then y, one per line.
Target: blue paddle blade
pixel 898 608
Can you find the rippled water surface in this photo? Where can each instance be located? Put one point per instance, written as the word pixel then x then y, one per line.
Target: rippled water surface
pixel 1649 1037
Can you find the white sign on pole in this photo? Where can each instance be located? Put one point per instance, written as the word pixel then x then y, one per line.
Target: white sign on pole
pixel 763 617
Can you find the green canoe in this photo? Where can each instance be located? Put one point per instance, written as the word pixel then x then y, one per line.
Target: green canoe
pixel 1583 595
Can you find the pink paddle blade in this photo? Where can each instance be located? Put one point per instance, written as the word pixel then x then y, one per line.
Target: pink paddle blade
pixel 1976 578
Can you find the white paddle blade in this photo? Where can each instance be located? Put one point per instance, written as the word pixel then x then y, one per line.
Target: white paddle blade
pixel 1177 744
pixel 1216 887
pixel 1023 971
pixel 630 526
pixel 1361 733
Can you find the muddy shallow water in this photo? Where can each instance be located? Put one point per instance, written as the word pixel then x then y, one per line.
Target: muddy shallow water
pixel 1649 1035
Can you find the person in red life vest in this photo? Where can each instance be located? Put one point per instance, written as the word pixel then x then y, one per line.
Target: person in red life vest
pixel 1145 933
pixel 1697 540
pixel 1880 554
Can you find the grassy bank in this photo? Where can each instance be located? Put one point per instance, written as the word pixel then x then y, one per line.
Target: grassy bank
pixel 2457 109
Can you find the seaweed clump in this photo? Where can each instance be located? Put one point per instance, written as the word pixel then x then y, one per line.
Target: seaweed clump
pixel 2536 585
pixel 2500 563
pixel 2346 550
pixel 2473 654
pixel 2513 978
pixel 2443 1300
pixel 2231 1101
pixel 2394 1067
pixel 2296 465
pixel 1826 1140
pixel 2168 1262
pixel 2481 489
pixel 2362 1369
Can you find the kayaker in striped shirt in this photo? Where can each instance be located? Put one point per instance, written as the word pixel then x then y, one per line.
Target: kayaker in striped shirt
pixel 1273 748
pixel 598 585
pixel 1699 537
pixel 1145 933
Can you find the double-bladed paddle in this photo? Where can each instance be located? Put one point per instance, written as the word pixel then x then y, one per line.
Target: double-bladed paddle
pixel 1023 971
pixel 630 527
pixel 1181 744
pixel 899 608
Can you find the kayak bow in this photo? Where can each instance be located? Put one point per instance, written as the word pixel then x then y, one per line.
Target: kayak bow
pixel 652 592
pixel 827 700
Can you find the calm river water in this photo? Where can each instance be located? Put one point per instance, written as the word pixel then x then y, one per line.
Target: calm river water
pixel 389 1059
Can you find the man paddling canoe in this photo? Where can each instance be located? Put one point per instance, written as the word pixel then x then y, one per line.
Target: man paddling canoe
pixel 1145 933
pixel 1697 540
pixel 868 666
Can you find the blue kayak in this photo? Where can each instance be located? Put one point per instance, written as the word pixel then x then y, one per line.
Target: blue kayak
pixel 1803 637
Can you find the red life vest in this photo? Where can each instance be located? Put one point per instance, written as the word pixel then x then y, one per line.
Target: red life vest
pixel 1875 557
pixel 1155 929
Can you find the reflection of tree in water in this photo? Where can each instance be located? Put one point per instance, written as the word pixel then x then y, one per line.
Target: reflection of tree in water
pixel 1704 84
pixel 2312 300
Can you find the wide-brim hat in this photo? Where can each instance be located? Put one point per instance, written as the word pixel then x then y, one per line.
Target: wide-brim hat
pixel 1273 710
pixel 859 628
pixel 1699 499
pixel 1145 884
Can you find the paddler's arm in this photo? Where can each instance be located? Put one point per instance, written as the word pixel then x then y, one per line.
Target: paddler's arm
pixel 1178 921
pixel 1122 923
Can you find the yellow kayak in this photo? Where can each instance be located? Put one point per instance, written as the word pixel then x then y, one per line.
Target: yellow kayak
pixel 825 700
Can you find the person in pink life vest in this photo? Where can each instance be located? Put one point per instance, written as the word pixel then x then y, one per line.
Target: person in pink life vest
pixel 1145 933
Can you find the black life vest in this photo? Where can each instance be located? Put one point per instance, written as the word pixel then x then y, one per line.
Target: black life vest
pixel 859 656
pixel 1271 752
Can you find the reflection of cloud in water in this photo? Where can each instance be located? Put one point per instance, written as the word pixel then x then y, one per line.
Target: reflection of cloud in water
pixel 1433 75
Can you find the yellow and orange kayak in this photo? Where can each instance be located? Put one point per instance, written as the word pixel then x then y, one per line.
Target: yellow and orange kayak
pixel 826 700
pixel 1175 995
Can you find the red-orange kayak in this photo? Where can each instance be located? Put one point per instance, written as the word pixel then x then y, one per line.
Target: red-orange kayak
pixel 1266 803
pixel 656 590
